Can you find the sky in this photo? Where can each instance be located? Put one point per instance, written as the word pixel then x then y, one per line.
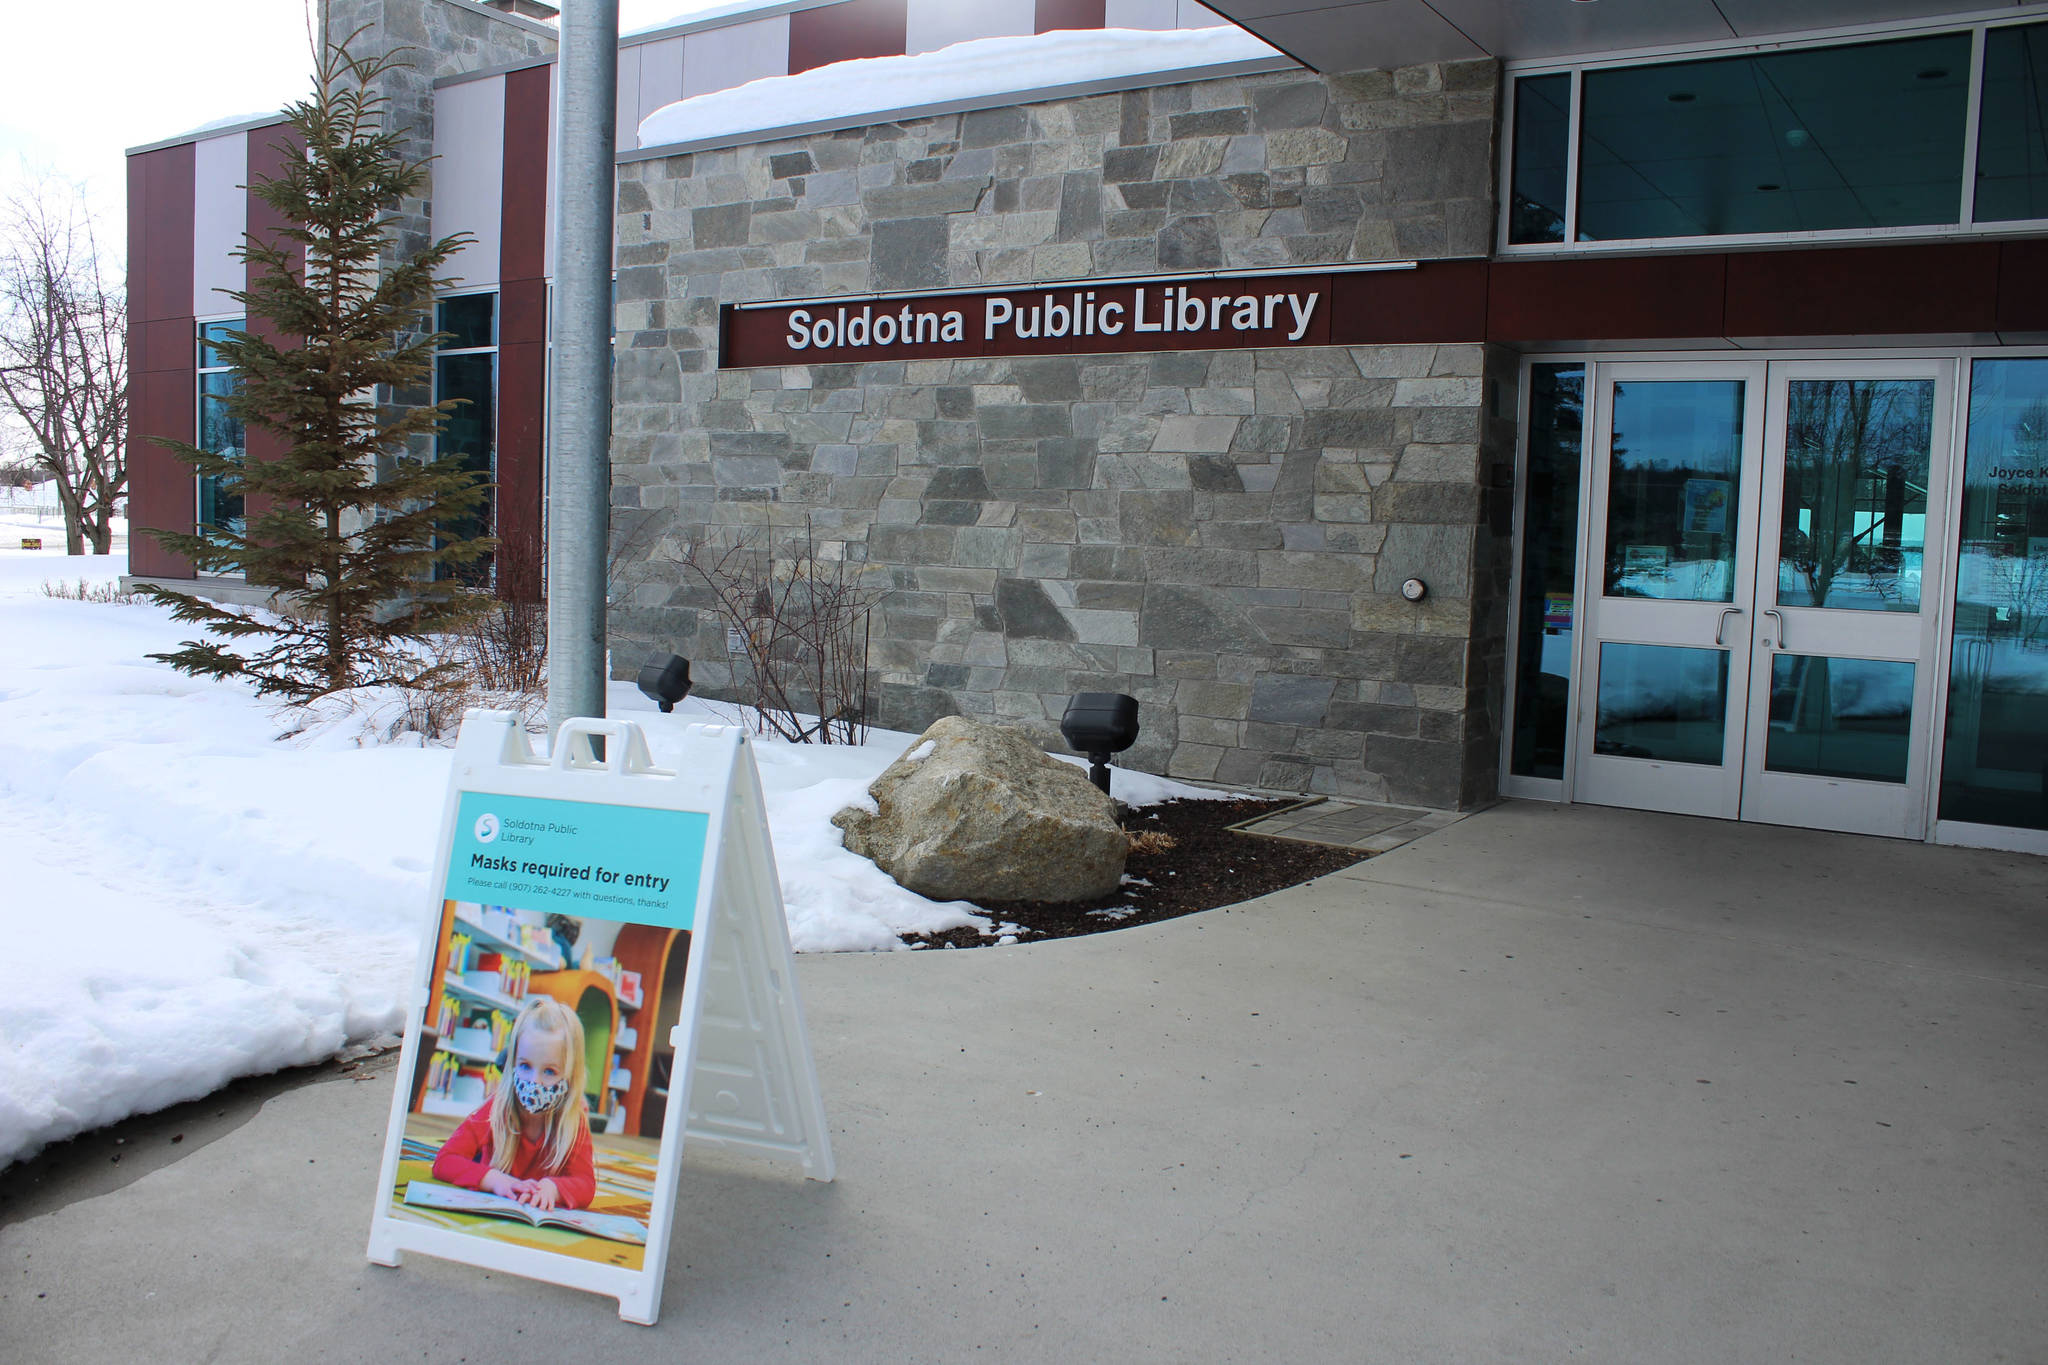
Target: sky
pixel 137 71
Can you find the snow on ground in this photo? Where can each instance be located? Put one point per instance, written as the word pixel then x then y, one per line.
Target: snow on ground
pixel 35 514
pixel 969 70
pixel 190 897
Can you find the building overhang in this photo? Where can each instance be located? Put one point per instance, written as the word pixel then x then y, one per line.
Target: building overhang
pixel 1351 35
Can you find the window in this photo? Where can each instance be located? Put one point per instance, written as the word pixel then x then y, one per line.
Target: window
pixel 1994 768
pixel 466 368
pixel 1542 156
pixel 2012 136
pixel 1550 563
pixel 1837 139
pixel 220 432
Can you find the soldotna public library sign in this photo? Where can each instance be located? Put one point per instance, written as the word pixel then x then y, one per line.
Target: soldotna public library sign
pixel 1205 313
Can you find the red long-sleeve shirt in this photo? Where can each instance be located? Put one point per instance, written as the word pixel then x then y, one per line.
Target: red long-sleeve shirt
pixel 466 1158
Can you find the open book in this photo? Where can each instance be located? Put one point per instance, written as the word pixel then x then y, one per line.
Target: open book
pixel 615 1227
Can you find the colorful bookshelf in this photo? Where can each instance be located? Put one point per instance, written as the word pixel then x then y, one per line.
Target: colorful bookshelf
pixel 651 958
pixel 484 967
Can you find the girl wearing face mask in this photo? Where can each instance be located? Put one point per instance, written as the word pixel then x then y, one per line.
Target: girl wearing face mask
pixel 530 1140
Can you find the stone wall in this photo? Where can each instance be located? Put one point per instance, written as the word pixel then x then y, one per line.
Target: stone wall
pixel 1221 534
pixel 448 39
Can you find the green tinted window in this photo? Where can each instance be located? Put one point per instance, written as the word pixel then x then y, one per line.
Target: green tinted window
pixel 469 320
pixel 1867 135
pixel 1994 767
pixel 1550 559
pixel 1542 149
pixel 2012 131
pixel 211 333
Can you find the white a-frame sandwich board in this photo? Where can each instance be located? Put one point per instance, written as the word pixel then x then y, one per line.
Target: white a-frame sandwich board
pixel 548 870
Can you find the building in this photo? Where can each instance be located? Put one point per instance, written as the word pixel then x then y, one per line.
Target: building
pixel 1636 405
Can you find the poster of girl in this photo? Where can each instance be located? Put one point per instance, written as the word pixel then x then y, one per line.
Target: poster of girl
pixel 530 1138
pixel 539 1088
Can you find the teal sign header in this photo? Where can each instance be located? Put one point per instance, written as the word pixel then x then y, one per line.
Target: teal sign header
pixel 579 858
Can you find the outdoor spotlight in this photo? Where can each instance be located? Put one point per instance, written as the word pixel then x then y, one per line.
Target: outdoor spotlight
pixel 667 683
pixel 1099 724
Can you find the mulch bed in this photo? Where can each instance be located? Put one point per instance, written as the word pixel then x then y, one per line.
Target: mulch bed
pixel 1206 866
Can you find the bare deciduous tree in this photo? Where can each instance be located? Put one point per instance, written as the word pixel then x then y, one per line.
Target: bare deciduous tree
pixel 64 358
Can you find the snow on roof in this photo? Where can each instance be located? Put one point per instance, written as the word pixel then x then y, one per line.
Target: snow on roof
pixel 682 12
pixel 232 121
pixel 846 90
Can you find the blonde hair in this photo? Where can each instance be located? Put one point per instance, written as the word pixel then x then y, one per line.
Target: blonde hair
pixel 567 1121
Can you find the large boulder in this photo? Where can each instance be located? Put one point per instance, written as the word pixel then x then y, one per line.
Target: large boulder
pixel 979 812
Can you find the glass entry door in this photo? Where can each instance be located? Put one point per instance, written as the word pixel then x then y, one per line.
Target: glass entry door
pixel 1764 546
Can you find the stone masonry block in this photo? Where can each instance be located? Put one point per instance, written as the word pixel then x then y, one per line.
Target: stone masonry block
pixel 1438 393
pixel 1190 435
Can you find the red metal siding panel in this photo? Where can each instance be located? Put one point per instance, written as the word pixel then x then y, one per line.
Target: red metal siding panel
pixel 160 236
pixel 165 344
pixel 522 416
pixel 162 373
pixel 1436 301
pixel 522 242
pixel 1940 289
pixel 1608 299
pixel 838 33
pixel 522 334
pixel 161 494
pixel 267 153
pixel 2023 286
pixel 1059 14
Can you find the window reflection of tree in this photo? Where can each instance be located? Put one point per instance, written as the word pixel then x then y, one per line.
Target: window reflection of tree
pixel 1995 760
pixel 2016 549
pixel 1854 450
pixel 1647 506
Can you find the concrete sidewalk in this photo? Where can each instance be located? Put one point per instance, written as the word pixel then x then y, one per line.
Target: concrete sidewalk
pixel 1551 1083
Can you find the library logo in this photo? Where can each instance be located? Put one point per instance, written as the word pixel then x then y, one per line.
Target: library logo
pixel 486 828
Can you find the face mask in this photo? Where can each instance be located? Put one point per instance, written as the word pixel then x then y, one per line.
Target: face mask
pixel 536 1098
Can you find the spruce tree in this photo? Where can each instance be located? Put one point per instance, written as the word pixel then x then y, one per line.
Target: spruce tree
pixel 364 541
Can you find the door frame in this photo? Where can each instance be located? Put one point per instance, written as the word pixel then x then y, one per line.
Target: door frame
pixel 1684 623
pixel 1941 619
pixel 1775 798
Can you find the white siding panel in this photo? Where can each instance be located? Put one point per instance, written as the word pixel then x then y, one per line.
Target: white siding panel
pixel 628 111
pixel 220 215
pixel 721 58
pixel 1141 14
pixel 935 24
pixel 469 175
pixel 661 75
pixel 1193 15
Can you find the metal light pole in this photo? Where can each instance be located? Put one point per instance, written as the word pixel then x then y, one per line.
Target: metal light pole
pixel 579 420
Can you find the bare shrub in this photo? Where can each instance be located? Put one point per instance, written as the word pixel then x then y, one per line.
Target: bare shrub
pixel 434 706
pixel 801 619
pixel 85 590
pixel 504 648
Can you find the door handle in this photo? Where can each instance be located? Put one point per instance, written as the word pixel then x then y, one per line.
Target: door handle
pixel 1779 617
pixel 1721 626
